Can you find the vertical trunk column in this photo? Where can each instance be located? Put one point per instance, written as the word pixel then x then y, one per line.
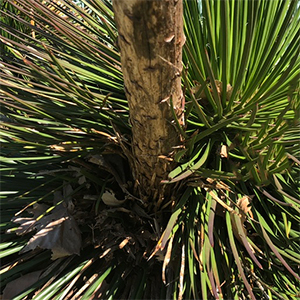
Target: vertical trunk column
pixel 150 40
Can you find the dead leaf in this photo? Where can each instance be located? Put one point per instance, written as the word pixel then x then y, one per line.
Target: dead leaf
pixel 224 151
pixel 244 207
pixel 110 199
pixel 124 242
pixel 27 224
pixel 38 209
pixel 219 86
pixel 57 232
pixel 15 287
pixel 67 193
pixel 195 90
pixel 239 229
pixel 81 180
pixel 166 259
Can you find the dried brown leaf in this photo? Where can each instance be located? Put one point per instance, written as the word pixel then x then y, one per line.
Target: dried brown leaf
pixel 57 232
pixel 224 151
pixel 28 224
pixel 110 199
pixel 167 259
pixel 244 207
pixel 15 287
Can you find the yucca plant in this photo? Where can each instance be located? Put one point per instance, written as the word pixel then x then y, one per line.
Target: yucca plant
pixel 76 220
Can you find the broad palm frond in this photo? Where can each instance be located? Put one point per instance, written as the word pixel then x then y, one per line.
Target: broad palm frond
pixel 233 230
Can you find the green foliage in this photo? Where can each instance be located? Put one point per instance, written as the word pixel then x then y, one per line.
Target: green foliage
pixel 233 230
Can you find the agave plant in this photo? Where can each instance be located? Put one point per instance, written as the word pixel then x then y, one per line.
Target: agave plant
pixel 74 225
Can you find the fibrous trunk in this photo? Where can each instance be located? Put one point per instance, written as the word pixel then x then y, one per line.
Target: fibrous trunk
pixel 150 41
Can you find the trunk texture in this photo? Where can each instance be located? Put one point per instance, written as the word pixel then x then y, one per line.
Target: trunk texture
pixel 150 41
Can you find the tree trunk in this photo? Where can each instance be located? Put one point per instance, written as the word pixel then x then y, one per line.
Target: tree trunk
pixel 150 41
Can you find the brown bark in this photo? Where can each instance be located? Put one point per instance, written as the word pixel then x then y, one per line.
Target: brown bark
pixel 150 40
